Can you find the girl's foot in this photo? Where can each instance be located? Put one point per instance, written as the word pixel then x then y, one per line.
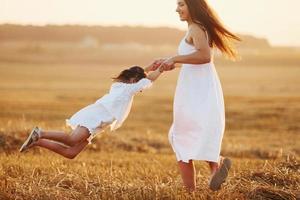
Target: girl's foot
pixel 33 137
pixel 220 175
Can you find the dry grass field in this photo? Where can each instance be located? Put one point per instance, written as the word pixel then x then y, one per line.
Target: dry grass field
pixel 262 136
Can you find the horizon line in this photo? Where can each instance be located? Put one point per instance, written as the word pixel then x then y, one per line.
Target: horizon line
pixel 134 26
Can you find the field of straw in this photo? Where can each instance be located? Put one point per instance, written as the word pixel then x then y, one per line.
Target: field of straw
pixel 136 162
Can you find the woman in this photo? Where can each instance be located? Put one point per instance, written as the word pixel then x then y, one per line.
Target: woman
pixel 199 115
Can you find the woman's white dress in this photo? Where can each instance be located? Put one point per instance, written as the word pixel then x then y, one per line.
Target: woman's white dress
pixel 198 113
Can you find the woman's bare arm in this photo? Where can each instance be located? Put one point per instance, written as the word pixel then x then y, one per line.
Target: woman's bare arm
pixel 199 40
pixel 198 57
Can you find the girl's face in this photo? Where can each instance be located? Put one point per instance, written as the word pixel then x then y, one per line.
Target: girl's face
pixel 183 10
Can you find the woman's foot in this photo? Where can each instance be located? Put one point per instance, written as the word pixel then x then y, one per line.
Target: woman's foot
pixel 33 137
pixel 220 175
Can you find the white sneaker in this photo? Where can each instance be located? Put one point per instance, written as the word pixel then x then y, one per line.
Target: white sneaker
pixel 33 137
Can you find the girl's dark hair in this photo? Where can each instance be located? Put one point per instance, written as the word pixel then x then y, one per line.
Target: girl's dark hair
pixel 126 75
pixel 220 37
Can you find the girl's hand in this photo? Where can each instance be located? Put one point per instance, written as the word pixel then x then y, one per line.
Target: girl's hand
pixel 155 64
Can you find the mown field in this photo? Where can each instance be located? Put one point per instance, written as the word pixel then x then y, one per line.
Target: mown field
pixel 262 135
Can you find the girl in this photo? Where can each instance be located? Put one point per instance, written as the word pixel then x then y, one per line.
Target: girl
pixel 199 114
pixel 110 110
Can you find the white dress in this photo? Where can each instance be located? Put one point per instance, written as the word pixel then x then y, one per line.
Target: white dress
pixel 198 113
pixel 110 110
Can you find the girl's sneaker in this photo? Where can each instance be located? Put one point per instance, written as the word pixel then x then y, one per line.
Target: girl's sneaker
pixel 220 176
pixel 33 137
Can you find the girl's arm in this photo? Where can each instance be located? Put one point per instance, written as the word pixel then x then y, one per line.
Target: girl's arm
pixel 148 68
pixel 155 74
pixel 145 82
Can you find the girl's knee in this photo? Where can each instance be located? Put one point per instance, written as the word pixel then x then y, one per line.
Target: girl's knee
pixel 71 154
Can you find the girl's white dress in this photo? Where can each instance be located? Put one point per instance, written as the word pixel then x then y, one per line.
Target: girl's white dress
pixel 199 115
pixel 110 110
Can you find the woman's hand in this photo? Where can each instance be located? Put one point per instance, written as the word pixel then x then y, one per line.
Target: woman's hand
pixel 168 64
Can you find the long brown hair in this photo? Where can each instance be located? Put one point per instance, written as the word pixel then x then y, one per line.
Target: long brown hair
pixel 135 72
pixel 203 15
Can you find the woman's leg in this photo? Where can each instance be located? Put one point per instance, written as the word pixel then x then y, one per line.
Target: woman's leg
pixel 214 166
pixel 68 152
pixel 219 173
pixel 79 135
pixel 188 174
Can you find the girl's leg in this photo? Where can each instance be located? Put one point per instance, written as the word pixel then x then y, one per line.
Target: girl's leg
pixel 68 152
pixel 188 174
pixel 79 135
pixel 77 141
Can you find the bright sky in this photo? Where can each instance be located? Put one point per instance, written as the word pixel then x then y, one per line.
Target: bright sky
pixel 277 20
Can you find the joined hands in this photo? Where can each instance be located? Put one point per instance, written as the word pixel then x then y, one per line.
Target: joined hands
pixel 164 64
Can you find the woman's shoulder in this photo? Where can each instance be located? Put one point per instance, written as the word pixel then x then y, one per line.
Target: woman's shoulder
pixel 196 29
pixel 199 35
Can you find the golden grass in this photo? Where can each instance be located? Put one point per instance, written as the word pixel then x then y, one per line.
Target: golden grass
pixel 262 136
